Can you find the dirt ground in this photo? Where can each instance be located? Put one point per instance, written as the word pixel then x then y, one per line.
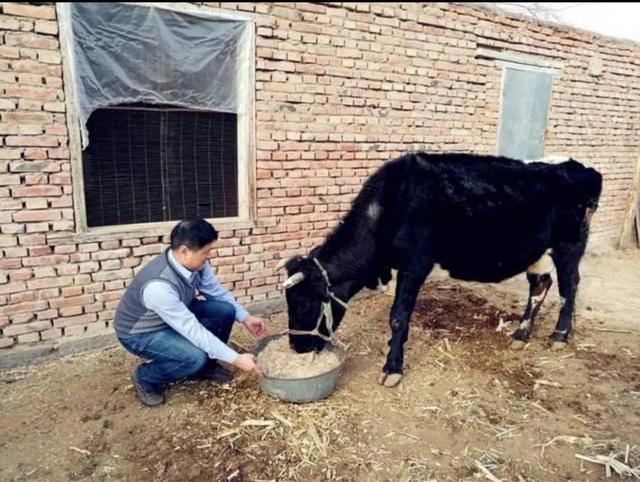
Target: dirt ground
pixel 467 403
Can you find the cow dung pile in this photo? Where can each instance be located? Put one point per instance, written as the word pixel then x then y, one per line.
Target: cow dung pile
pixel 279 360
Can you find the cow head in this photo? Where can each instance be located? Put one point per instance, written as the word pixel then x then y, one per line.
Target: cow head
pixel 308 294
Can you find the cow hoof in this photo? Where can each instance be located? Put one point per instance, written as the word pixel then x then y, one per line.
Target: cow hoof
pixel 558 345
pixel 518 345
pixel 389 379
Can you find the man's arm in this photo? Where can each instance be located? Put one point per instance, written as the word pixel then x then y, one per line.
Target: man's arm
pixel 163 300
pixel 210 285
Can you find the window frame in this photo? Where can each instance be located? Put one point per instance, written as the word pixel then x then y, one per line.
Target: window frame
pixel 516 60
pixel 246 124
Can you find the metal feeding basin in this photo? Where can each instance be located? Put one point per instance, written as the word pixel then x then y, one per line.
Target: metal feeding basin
pixel 300 390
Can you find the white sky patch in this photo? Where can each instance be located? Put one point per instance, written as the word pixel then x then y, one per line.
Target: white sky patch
pixel 619 20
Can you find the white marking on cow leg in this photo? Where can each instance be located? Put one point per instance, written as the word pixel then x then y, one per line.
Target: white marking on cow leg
pixel 543 266
pixel 373 211
pixel 562 301
pixel 525 325
pixel 537 299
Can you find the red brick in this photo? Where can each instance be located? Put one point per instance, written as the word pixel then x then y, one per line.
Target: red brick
pixel 62 202
pixel 49 293
pixel 27 104
pixel 94 308
pixel 110 254
pixel 23 10
pixel 42 141
pixel 37 227
pixel 9 179
pixel 9 23
pixel 9 52
pixel 31 179
pixel 35 154
pixel 46 314
pixel 6 342
pixel 13 287
pixel 15 252
pixel 60 153
pixel 32 240
pixel 74 320
pixel 51 334
pixel 36 191
pixel 22 297
pixel 46 27
pixel 66 249
pixel 29 338
pixel 44 272
pixel 125 273
pixel 88 248
pixel 148 249
pixel 32 166
pixel 93 288
pixel 10 263
pixel 49 283
pixel 28 307
pixel 42 251
pixel 30 40
pixel 34 216
pixel 131 262
pixel 72 290
pixel 10 153
pixel 72 301
pixel 49 57
pixel 27 117
pixel 35 203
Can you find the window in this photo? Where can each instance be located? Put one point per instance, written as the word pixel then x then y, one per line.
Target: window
pixel 149 164
pixel 523 112
pixel 160 114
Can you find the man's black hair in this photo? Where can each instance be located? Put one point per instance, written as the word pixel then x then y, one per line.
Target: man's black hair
pixel 193 233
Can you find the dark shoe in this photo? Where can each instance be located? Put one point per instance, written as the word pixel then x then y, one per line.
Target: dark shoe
pixel 215 373
pixel 148 397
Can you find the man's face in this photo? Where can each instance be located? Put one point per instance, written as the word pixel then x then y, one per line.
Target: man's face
pixel 194 259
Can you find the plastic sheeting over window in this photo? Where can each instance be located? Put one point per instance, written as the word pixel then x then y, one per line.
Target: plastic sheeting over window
pixel 124 54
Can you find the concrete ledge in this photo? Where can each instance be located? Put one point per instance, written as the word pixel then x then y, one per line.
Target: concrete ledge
pixel 53 351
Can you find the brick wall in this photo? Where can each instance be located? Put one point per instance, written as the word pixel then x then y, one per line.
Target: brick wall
pixel 341 88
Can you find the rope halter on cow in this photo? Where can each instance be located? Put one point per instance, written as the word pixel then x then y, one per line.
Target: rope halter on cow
pixel 325 312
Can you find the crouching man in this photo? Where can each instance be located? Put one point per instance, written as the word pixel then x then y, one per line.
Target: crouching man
pixel 176 315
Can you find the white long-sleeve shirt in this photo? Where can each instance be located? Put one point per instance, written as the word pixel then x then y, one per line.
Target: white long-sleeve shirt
pixel 161 298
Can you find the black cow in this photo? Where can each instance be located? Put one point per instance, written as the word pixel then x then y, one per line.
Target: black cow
pixel 482 218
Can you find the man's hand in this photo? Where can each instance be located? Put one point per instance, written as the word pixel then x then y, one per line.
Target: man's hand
pixel 247 363
pixel 256 326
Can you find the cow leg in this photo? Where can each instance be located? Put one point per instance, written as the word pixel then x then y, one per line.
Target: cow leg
pixel 539 285
pixel 408 286
pixel 539 277
pixel 568 279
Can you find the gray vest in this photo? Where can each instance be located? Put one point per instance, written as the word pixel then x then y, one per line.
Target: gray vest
pixel 132 317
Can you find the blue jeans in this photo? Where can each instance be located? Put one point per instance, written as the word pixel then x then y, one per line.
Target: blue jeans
pixel 173 357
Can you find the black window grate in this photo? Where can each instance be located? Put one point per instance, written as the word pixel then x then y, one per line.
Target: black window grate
pixel 154 164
